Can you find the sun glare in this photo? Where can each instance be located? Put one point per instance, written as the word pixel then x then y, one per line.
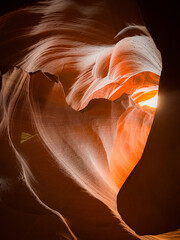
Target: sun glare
pixel 152 102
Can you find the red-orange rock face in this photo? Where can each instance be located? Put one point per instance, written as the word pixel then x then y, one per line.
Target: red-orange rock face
pixel 76 111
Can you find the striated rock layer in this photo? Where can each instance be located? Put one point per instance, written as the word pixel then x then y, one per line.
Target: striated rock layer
pixel 76 108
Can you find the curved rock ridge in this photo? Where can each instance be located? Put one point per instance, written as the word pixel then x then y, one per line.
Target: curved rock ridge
pixel 55 144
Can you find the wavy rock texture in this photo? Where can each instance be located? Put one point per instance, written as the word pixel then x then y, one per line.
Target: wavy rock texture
pixel 74 120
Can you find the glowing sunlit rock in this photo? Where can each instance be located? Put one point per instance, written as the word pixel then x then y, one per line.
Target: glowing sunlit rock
pixel 152 102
